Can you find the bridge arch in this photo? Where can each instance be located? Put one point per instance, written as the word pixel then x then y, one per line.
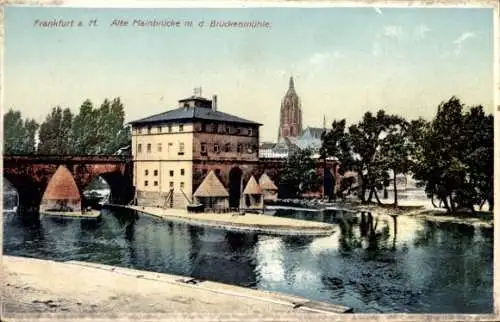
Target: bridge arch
pixel 10 195
pixel 30 174
pixel 235 183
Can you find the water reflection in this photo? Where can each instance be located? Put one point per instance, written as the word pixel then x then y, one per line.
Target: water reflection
pixel 371 263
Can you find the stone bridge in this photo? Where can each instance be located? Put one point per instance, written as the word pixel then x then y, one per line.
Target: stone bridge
pixel 30 174
pixel 328 171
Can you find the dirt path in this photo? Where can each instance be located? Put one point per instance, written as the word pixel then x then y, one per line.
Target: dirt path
pixel 32 287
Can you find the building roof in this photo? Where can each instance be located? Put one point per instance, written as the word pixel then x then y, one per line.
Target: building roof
pixel 193 113
pixel 62 186
pixel 252 187
pixel 266 183
pixel 314 131
pixel 196 98
pixel 309 143
pixel 211 187
pixel 266 145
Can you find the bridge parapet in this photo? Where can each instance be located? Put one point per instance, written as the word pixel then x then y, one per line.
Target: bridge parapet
pixel 60 159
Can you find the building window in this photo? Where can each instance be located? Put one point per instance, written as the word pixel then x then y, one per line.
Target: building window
pixel 216 148
pixel 171 184
pixel 239 148
pixel 181 148
pixel 250 132
pixel 171 173
pixel 148 148
pixel 170 128
pixel 203 148
pixel 182 172
pixel 181 127
pixel 159 147
pixel 249 148
pixel 155 173
pixel 139 130
pixel 139 148
pixel 146 172
pixel 155 183
pixel 204 172
pixel 146 183
pixel 158 128
pixel 182 185
pixel 228 129
pixel 227 147
pixel 149 129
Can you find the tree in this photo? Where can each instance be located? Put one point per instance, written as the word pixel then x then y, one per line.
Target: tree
pixel 84 130
pixel 54 135
pixel 478 129
pixel 29 141
pixel 400 148
pixel 299 174
pixel 365 140
pixel 119 135
pixel 102 130
pixel 336 145
pixel 19 134
pixel 456 163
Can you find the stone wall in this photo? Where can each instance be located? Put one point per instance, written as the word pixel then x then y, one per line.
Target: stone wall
pixel 222 170
pixel 159 199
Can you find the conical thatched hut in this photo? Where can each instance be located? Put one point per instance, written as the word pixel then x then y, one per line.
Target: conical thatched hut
pixel 269 189
pixel 252 195
pixel 62 193
pixel 211 193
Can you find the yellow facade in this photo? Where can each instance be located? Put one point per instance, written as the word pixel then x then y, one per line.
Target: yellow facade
pixel 163 157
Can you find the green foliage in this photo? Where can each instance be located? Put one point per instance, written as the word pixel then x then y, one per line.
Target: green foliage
pixel 53 136
pixel 19 134
pixel 299 175
pixel 91 131
pixel 452 156
pixel 360 148
pixel 400 148
pixel 456 163
pixel 84 130
pixel 100 131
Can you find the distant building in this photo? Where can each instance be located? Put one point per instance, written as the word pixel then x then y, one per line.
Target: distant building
pixel 310 138
pixel 175 150
pixel 291 137
pixel 280 150
pixel 290 114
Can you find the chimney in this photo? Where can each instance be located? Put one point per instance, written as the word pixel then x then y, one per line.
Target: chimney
pixel 214 102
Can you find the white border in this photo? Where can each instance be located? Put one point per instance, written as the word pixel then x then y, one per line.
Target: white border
pixel 311 4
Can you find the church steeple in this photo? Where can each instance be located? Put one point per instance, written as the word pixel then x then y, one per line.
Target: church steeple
pixel 290 113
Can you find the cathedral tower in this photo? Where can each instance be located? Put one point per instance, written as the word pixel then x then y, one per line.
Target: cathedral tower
pixel 290 114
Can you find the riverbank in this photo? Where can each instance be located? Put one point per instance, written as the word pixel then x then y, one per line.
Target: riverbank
pixel 262 224
pixel 415 208
pixel 479 219
pixel 34 287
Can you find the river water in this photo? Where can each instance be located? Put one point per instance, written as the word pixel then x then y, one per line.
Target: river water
pixel 426 267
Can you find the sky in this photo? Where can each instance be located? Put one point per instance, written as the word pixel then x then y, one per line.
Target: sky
pixel 345 61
